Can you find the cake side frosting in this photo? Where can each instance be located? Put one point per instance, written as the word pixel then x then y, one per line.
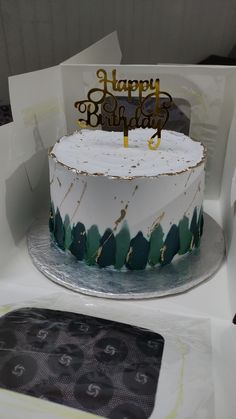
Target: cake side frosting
pixel 131 223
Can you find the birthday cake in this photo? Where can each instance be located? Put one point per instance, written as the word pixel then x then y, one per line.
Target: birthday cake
pixel 126 208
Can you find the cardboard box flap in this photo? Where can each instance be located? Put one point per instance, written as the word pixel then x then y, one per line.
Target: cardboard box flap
pixel 106 50
pixel 37 109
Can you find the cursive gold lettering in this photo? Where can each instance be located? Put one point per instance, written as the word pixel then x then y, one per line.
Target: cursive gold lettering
pixel 115 115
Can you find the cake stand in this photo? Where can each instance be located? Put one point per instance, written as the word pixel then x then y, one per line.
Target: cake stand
pixel 177 277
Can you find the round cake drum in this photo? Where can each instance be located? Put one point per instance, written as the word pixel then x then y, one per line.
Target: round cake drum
pixel 179 276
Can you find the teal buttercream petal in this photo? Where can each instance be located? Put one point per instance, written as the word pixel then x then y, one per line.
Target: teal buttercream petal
pixel 185 236
pixel 78 245
pixel 171 245
pixel 51 221
pixel 122 246
pixel 68 236
pixel 156 243
pixel 107 250
pixel 93 243
pixel 59 232
pixel 194 228
pixel 138 252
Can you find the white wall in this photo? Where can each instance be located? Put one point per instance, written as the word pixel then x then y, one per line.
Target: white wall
pixel 39 33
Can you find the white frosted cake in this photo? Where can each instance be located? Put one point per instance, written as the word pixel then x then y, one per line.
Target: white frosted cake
pixel 129 208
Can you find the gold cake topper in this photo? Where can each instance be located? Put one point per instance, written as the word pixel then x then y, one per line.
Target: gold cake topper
pixel 102 107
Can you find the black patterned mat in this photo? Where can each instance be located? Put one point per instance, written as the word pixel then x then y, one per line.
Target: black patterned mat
pixel 101 366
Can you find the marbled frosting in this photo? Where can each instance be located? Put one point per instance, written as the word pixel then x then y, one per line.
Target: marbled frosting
pixel 126 207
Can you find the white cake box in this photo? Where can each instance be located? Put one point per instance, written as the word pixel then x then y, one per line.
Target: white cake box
pixel 43 110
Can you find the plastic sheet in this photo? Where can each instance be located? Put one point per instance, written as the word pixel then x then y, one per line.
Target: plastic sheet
pixel 114 364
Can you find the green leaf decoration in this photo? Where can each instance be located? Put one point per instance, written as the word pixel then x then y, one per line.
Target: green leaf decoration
pixel 194 228
pixel 78 245
pixel 138 252
pixel 93 243
pixel 156 243
pixel 106 255
pixel 67 228
pixel 51 218
pixel 59 232
pixel 200 222
pixel 185 236
pixel 122 246
pixel 171 245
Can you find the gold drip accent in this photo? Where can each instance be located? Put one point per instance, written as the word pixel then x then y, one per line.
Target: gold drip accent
pixel 162 251
pixel 129 254
pixel 191 244
pixel 82 124
pixel 80 200
pixel 99 251
pixel 151 144
pixel 188 178
pixel 123 212
pixel 155 224
pixel 135 189
pixel 122 216
pixel 66 194
pixel 126 141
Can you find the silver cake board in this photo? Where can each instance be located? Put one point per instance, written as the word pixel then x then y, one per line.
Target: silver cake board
pixel 180 276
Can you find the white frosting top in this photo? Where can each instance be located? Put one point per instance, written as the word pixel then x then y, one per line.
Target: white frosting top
pixel 102 152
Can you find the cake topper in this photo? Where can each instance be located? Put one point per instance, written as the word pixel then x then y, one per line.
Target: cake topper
pixel 102 106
